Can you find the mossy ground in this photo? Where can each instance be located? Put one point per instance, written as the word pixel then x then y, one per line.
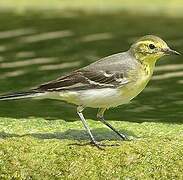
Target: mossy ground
pixel 36 148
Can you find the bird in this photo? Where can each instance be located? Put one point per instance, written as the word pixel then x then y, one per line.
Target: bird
pixel 107 83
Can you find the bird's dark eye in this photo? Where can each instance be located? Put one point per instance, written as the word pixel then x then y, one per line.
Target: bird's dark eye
pixel 152 46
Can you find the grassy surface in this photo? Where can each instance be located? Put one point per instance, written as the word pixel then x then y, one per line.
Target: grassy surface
pixel 39 149
pixel 43 139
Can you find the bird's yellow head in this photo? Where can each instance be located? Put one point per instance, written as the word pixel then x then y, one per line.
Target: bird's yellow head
pixel 150 48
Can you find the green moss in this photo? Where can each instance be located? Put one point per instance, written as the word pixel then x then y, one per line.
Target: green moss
pixel 38 149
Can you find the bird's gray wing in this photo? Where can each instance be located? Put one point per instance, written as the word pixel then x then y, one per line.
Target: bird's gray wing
pixel 86 79
pixel 111 71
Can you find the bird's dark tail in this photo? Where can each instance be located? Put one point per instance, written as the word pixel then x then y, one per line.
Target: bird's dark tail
pixel 21 95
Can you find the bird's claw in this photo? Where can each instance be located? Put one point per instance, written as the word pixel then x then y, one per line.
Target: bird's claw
pixel 101 145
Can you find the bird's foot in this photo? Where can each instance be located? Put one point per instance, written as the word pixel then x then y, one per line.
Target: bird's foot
pixel 101 145
pixel 96 144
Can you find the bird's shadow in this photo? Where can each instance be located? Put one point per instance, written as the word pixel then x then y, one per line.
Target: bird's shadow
pixel 72 134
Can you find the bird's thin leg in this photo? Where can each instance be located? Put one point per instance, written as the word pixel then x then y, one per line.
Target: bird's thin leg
pixel 100 116
pixel 79 111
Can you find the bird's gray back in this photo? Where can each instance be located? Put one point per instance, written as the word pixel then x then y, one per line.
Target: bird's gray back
pixel 121 62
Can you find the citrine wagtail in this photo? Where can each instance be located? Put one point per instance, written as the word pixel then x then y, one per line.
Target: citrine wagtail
pixel 109 82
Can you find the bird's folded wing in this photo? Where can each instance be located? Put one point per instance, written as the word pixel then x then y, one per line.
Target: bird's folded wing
pixel 84 79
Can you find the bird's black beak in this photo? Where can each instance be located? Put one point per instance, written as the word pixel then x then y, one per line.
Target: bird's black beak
pixel 169 51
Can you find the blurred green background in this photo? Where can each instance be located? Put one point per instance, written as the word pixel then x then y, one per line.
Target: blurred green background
pixel 43 39
pixel 156 7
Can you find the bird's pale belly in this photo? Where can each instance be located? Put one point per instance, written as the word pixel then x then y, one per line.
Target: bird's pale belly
pixel 103 98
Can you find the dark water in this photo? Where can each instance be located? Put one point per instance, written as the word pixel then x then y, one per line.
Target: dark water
pixel 36 47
